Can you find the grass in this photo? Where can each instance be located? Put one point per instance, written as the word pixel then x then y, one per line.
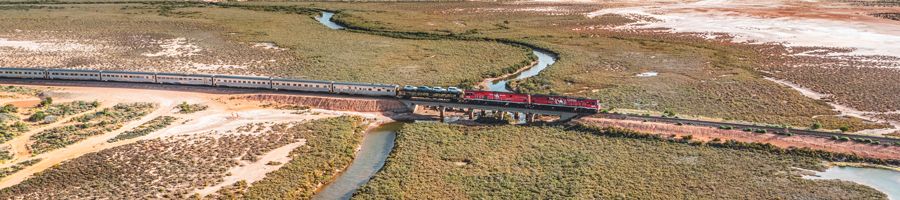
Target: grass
pixel 439 161
pixel 228 40
pixel 146 128
pixel 6 171
pixel 88 125
pixel 14 121
pixel 330 148
pixel 185 108
pixel 175 167
pixel 700 77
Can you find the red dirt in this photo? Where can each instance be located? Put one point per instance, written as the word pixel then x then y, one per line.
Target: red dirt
pixel 328 103
pixel 705 134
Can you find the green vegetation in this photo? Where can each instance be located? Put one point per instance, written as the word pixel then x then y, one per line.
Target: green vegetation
pixel 702 77
pixel 146 128
pixel 20 90
pixel 185 108
pixel 331 146
pixel 87 125
pixel 6 171
pixel 238 36
pixel 439 161
pixel 191 163
pixel 54 111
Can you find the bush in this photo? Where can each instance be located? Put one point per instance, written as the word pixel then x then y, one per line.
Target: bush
pixel 759 131
pixel 816 125
pixel 9 108
pixel 844 128
pixel 47 101
pixel 37 116
pixel 185 108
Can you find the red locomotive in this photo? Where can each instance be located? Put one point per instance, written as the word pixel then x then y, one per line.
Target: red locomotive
pixel 533 101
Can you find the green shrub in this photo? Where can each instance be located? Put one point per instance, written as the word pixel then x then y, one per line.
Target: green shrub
pixel 816 125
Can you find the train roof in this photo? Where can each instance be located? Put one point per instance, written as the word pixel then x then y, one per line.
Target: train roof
pixel 300 80
pixel 18 68
pixel 366 84
pixel 244 77
pixel 126 72
pixel 74 70
pixel 180 74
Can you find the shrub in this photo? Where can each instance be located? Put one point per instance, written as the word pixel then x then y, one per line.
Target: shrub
pixel 185 108
pixel 37 116
pixel 47 101
pixel 844 128
pixel 816 125
pixel 759 131
pixel 9 108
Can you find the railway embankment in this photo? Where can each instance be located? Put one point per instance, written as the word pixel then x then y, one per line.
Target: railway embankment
pixel 331 103
pixel 712 134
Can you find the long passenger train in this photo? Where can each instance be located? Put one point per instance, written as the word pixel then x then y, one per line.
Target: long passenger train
pixel 365 89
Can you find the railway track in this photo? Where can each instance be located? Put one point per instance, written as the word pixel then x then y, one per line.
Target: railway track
pixel 738 126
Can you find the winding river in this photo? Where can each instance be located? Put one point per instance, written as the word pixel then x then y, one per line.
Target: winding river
pixel 545 59
pixel 377 144
pixel 375 148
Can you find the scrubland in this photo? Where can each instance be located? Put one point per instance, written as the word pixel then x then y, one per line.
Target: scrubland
pixel 175 167
pixel 693 75
pixel 194 37
pixel 439 161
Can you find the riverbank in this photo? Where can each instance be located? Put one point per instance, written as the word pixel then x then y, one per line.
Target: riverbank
pixel 439 161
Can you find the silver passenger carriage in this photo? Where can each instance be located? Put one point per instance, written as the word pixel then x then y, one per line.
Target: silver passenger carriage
pixel 365 89
pixel 73 74
pixel 22 73
pixel 126 76
pixel 301 85
pixel 184 79
pixel 243 81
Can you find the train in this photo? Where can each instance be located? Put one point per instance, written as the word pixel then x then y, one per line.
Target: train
pixel 532 101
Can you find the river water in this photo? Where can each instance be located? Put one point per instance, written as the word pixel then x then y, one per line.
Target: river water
pixel 886 181
pixel 376 147
pixel 325 19
pixel 377 144
pixel 545 59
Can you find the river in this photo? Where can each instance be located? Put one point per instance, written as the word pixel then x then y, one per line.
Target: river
pixel 886 181
pixel 375 148
pixel 377 144
pixel 545 59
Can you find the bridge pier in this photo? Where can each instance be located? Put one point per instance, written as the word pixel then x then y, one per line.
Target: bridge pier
pixel 471 114
pixel 502 114
pixel 516 116
pixel 529 118
pixel 441 109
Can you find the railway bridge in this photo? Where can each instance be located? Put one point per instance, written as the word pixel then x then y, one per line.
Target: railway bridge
pixel 473 109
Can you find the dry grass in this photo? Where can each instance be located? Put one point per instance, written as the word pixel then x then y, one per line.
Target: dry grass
pixel 88 125
pixel 196 38
pixel 696 76
pixel 439 161
pixel 175 167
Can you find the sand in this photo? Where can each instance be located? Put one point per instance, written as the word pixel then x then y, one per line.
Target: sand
pixel 225 114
